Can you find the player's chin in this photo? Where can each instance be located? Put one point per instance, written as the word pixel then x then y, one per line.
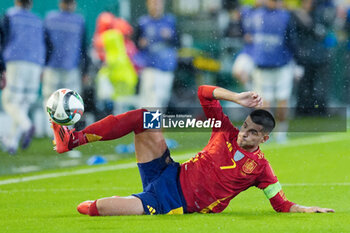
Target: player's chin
pixel 246 146
pixel 243 145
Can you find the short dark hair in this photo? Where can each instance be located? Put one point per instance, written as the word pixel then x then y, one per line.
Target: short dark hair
pixel 26 3
pixel 68 2
pixel 264 118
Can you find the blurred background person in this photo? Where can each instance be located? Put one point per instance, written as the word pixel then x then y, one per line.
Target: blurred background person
pixel 312 53
pixel 243 65
pixel 23 50
pixel 66 59
pixel 107 21
pixel 117 77
pixel 273 36
pixel 157 40
pixel 346 97
pixel 2 64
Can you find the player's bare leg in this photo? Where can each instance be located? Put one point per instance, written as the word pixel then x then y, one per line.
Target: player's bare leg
pixel 124 206
pixel 282 119
pixel 266 104
pixel 149 145
pixel 282 111
pixel 111 206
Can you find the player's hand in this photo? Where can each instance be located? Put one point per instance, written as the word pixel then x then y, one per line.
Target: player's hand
pixel 312 209
pixel 165 33
pixel 316 209
pixel 86 80
pixel 249 99
pixel 248 38
pixel 143 42
pixel 2 80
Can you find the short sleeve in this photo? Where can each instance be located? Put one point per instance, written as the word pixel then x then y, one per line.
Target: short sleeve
pixel 267 177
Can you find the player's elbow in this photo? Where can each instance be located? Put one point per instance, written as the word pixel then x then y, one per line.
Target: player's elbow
pixel 206 91
pixel 200 90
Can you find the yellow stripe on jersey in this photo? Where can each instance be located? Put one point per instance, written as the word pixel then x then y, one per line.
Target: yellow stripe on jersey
pixel 229 167
pixel 210 207
pixel 229 146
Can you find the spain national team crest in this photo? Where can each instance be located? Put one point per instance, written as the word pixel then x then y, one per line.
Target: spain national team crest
pixel 249 166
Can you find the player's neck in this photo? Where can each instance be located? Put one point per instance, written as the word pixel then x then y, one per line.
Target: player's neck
pixel 251 149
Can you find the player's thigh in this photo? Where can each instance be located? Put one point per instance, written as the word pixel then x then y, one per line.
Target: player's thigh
pixel 147 88
pixel 163 87
pixel 17 83
pixel 163 81
pixel 243 64
pixel 51 80
pixel 120 206
pixel 149 145
pixel 284 83
pixel 31 76
pixel 263 84
pixel 147 81
pixel 72 80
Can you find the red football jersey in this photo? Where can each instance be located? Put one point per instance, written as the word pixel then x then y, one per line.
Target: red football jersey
pixel 222 169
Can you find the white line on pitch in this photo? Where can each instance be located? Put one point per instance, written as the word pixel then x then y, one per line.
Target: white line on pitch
pixel 44 190
pixel 297 142
pixel 78 172
pixel 318 184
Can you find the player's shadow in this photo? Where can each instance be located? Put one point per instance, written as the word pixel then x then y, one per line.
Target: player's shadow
pixel 239 214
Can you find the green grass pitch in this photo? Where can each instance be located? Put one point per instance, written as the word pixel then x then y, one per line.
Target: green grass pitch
pixel 313 170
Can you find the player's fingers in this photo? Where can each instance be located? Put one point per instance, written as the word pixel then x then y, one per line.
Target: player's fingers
pixel 323 210
pixel 255 95
pixel 258 99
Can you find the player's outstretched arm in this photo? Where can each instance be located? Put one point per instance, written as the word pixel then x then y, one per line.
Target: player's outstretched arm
pixel 313 209
pixel 246 99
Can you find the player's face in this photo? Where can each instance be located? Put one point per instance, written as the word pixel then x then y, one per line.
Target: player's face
pixel 155 8
pixel 251 135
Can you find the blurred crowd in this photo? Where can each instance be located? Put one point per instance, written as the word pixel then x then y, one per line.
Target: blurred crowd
pixel 284 50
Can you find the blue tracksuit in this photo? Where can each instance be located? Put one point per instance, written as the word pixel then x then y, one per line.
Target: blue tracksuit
pixel 160 53
pixel 246 20
pixel 23 37
pixel 65 39
pixel 272 37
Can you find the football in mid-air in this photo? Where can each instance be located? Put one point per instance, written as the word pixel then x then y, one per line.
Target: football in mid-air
pixel 65 107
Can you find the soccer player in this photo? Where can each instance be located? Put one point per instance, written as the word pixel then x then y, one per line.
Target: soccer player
pixel 66 56
pixel 157 40
pixel 231 162
pixel 274 46
pixel 23 51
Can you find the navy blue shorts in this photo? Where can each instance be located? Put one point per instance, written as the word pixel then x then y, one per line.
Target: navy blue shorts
pixel 161 186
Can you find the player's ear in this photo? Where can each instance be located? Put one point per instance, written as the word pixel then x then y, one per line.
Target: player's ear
pixel 265 138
